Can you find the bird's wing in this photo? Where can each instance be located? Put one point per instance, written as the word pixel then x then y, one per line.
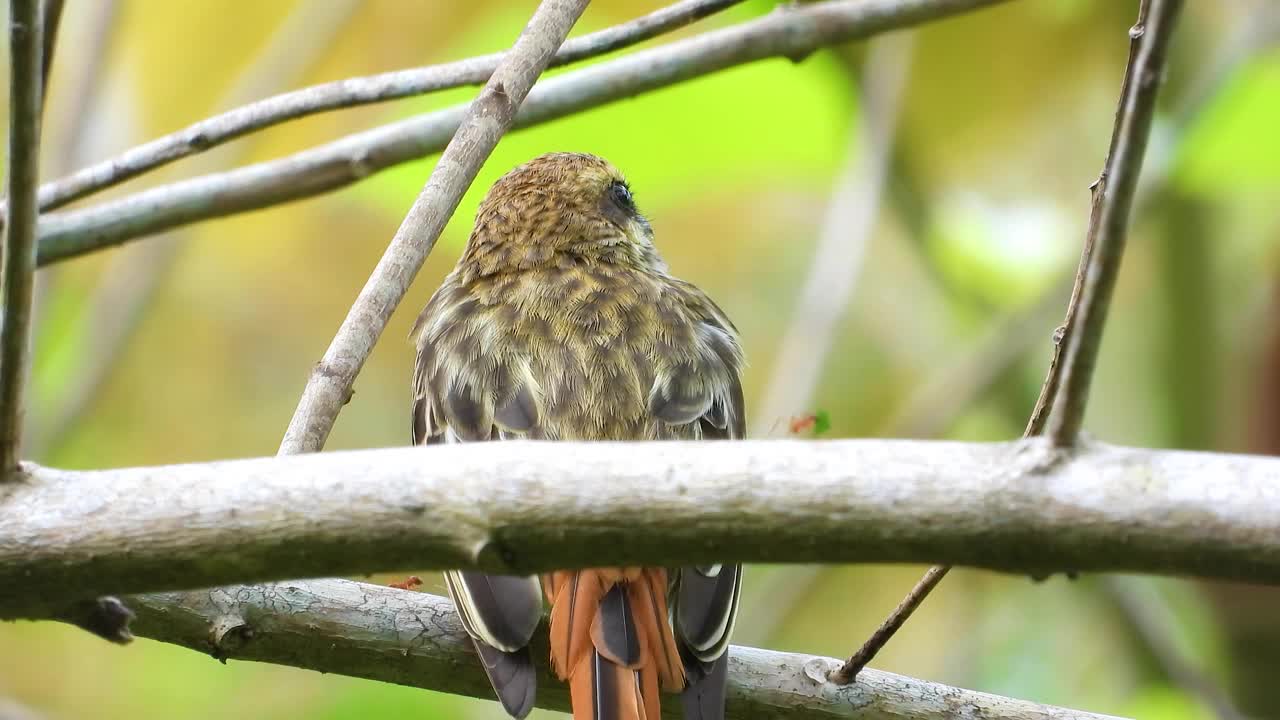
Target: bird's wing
pixel 705 598
pixel 464 397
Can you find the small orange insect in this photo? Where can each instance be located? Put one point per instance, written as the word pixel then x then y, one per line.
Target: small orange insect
pixel 408 583
pixel 802 423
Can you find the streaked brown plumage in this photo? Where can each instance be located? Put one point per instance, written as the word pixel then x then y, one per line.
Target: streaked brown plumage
pixel 560 322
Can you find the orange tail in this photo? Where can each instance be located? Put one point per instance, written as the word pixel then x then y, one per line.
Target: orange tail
pixel 611 640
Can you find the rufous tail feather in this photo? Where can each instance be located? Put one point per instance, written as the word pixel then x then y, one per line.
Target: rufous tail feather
pixel 611 640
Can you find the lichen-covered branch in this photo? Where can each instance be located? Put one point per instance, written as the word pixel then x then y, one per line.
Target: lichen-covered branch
pixel 1021 507
pixel 415 639
pixel 787 32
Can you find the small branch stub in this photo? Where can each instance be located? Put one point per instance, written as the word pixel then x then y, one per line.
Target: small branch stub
pixel 106 617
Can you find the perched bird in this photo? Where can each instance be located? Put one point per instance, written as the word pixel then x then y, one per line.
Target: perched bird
pixel 561 322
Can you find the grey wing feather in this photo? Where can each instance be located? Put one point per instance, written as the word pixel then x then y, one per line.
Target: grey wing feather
pixel 502 610
pixel 705 598
pixel 512 676
pixel 705 607
pixel 499 612
pixel 704 697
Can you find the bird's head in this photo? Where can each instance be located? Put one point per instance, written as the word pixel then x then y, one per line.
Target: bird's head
pixel 559 207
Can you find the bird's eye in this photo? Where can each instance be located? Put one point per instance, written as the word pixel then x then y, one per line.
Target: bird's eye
pixel 621 195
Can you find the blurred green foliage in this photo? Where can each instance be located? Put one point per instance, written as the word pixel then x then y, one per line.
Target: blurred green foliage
pixel 1006 117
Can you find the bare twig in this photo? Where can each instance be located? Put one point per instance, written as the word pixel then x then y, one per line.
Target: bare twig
pixel 790 32
pixel 120 300
pixel 20 238
pixel 352 92
pixel 518 507
pixel 65 141
pixel 488 118
pixel 51 18
pixel 1066 385
pixel 850 670
pixel 1108 223
pixel 846 230
pixel 415 639
pixel 81 91
pixel 1244 41
pixel 1151 620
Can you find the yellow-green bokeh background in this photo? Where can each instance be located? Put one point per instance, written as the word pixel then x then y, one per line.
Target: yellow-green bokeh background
pixel 1005 120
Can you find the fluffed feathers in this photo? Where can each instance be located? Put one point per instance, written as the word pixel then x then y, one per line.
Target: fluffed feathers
pixel 561 322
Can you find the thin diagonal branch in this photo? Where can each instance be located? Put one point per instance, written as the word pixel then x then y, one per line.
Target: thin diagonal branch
pixel 488 117
pixel 81 91
pixel 415 639
pixel 1152 621
pixel 520 507
pixel 51 19
pixel 1113 195
pixel 842 242
pixel 65 142
pixel 1066 385
pixel 788 32
pixel 20 238
pixel 852 668
pixel 122 297
pixel 352 92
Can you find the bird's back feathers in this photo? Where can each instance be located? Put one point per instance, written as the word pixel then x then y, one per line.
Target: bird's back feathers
pixel 561 323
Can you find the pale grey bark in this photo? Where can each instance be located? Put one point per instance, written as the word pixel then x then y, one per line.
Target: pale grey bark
pixel 415 639
pixel 350 92
pixel 1019 507
pixel 788 32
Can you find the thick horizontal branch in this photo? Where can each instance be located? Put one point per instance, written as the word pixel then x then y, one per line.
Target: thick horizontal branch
pixel 415 639
pixel 351 92
pixel 787 32
pixel 526 506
